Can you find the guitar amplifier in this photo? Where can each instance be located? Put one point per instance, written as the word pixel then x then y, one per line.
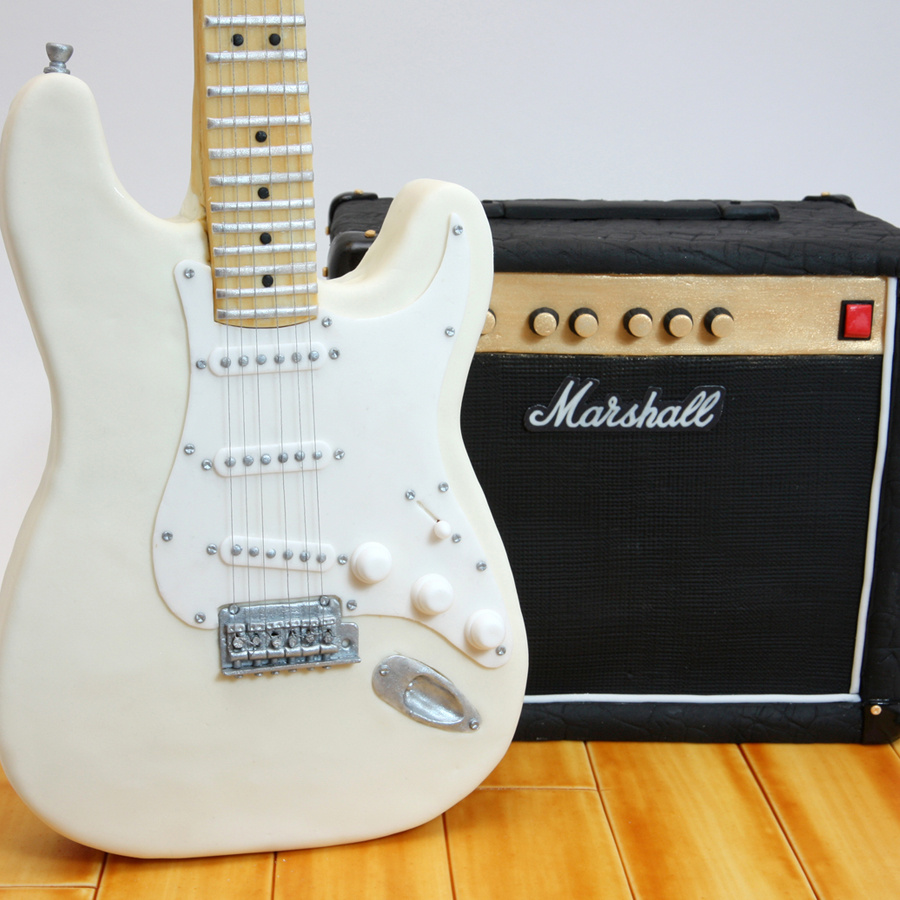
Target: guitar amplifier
pixel 680 413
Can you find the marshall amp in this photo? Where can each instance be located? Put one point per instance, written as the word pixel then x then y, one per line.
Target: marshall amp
pixel 680 413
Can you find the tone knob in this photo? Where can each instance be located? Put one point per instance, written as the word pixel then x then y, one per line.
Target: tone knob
pixel 432 594
pixel 678 322
pixel 583 322
pixel 490 322
pixel 638 322
pixel 719 322
pixel 544 321
pixel 485 629
pixel 371 562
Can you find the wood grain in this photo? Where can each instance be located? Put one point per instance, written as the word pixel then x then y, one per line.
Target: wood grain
pixel 218 878
pixel 691 821
pixel 47 893
pixel 839 805
pixel 412 865
pixel 533 843
pixel 553 764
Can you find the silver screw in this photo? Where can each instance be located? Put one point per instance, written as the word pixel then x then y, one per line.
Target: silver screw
pixel 288 554
pixel 265 459
pixel 321 558
pixel 342 561
pixel 458 230
pixel 327 322
pixel 236 550
pixel 243 360
pixel 254 551
pixel 351 605
pixel 314 355
pixel 201 364
pixel 474 724
pixel 501 651
pixel 206 464
pixel 481 565
pixel 261 359
pixel 225 361
pixel 456 538
pixel 200 618
pixel 282 457
pixel 248 460
pixel 304 556
pixel 212 549
pixel 189 273
pixel 167 536
pixel 279 358
pixel 443 487
pixel 231 461
pixel 189 449
pixel 339 454
pixel 450 332
pixel 410 495
pixel 296 357
pixel 300 455
pixel 334 353
pixel 317 454
pixel 270 554
pixel 234 609
pixel 384 670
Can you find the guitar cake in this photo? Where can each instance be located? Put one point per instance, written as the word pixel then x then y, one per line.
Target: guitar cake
pixel 258 602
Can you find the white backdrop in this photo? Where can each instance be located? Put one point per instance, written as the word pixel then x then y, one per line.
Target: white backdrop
pixel 646 99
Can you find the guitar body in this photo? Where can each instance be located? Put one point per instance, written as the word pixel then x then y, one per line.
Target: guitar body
pixel 120 723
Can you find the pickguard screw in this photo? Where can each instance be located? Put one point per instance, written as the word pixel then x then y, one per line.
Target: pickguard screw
pixel 450 332
pixel 443 487
pixel 212 549
pixel 189 449
pixel 334 353
pixel 474 724
pixel 410 495
pixel 206 464
pixel 327 322
pixel 167 536
pixel 342 561
pixel 339 454
pixel 501 651
pixel 189 273
pixel 481 565
pixel 456 538
pixel 201 363
pixel 200 618
pixel 351 605
pixel 458 230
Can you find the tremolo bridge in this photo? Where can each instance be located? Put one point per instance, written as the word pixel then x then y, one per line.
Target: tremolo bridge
pixel 285 636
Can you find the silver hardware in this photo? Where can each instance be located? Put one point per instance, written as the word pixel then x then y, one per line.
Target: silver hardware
pixel 257 121
pixel 267 178
pixel 443 487
pixel 500 651
pixel 304 556
pixel 257 249
pixel 261 359
pixel 320 558
pixel 285 290
pixel 300 456
pixel 236 550
pixel 456 538
pixel 243 360
pixel 288 554
pixel 339 454
pixel 251 227
pixel 189 449
pixel 212 549
pixel 343 559
pixel 351 605
pixel 167 536
pixel 410 495
pixel 247 460
pixel 317 455
pixel 424 695
pixel 258 90
pixel 457 230
pixel 283 457
pixel 200 618
pixel 284 636
pixel 189 273
pixel 254 551
pixel 279 359
pixel 450 332
pixel 334 353
pixel 231 461
pixel 296 357
pixel 282 312
pixel 207 464
pixel 257 56
pixel 313 356
pixel 225 362
pixel 481 565
pixel 474 724
pixel 201 364
pixel 265 459
pixel 245 21
pixel 59 55
pixel 292 269
pixel 270 554
pixel 327 322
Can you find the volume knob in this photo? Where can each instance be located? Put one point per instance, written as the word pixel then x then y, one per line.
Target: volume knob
pixel 371 562
pixel 678 322
pixel 485 629
pixel 432 594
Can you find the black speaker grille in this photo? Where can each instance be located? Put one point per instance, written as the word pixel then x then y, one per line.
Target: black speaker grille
pixel 724 561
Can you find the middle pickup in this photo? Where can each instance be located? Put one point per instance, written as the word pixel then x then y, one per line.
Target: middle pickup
pixel 273 459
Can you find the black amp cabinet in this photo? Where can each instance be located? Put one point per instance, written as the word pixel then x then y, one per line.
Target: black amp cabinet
pixel 680 413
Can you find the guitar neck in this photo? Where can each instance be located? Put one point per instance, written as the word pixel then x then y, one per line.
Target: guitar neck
pixel 253 158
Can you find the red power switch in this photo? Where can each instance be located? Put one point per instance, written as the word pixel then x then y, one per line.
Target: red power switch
pixel 856 320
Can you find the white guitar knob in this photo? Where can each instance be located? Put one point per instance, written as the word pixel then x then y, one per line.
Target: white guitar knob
pixel 485 629
pixel 442 530
pixel 371 562
pixel 432 594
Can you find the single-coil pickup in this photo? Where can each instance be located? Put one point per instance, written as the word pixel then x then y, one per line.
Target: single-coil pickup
pixel 292 556
pixel 266 359
pixel 276 459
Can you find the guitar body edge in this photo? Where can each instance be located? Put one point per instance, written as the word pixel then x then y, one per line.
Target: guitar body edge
pixel 116 726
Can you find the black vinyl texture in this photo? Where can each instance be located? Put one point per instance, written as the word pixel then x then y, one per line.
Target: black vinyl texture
pixel 726 561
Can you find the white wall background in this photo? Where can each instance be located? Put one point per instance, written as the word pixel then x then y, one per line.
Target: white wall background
pixel 646 99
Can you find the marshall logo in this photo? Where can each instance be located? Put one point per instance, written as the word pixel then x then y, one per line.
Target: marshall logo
pixel 570 410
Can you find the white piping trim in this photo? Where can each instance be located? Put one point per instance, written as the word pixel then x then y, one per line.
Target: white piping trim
pixel 692 698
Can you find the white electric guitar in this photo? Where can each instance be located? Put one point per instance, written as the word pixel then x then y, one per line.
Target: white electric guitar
pixel 258 601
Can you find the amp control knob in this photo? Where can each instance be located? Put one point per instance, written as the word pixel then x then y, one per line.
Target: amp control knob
pixel 371 562
pixel 432 594
pixel 544 321
pixel 638 322
pixel 678 322
pixel 584 322
pixel 719 322
pixel 485 629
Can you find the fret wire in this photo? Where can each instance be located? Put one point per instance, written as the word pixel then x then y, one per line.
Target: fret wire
pixel 282 291
pixel 255 56
pixel 250 227
pixel 260 249
pixel 261 178
pixel 251 152
pixel 287 269
pixel 254 21
pixel 259 121
pixel 252 205
pixel 257 90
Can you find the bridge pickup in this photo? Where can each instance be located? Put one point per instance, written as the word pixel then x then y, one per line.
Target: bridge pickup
pixel 291 556
pixel 276 459
pixel 285 636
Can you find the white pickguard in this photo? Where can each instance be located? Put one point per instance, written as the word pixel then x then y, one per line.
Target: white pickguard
pixel 117 726
pixel 363 395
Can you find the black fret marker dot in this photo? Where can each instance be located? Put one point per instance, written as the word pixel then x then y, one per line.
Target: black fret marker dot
pixel 237 40
pixel 268 281
pixel 263 193
pixel 261 136
pixel 274 39
pixel 265 238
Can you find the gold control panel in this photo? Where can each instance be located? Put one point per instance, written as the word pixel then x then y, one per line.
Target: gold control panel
pixel 644 315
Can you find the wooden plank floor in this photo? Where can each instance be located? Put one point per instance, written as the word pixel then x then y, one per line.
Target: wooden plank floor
pixel 567 820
